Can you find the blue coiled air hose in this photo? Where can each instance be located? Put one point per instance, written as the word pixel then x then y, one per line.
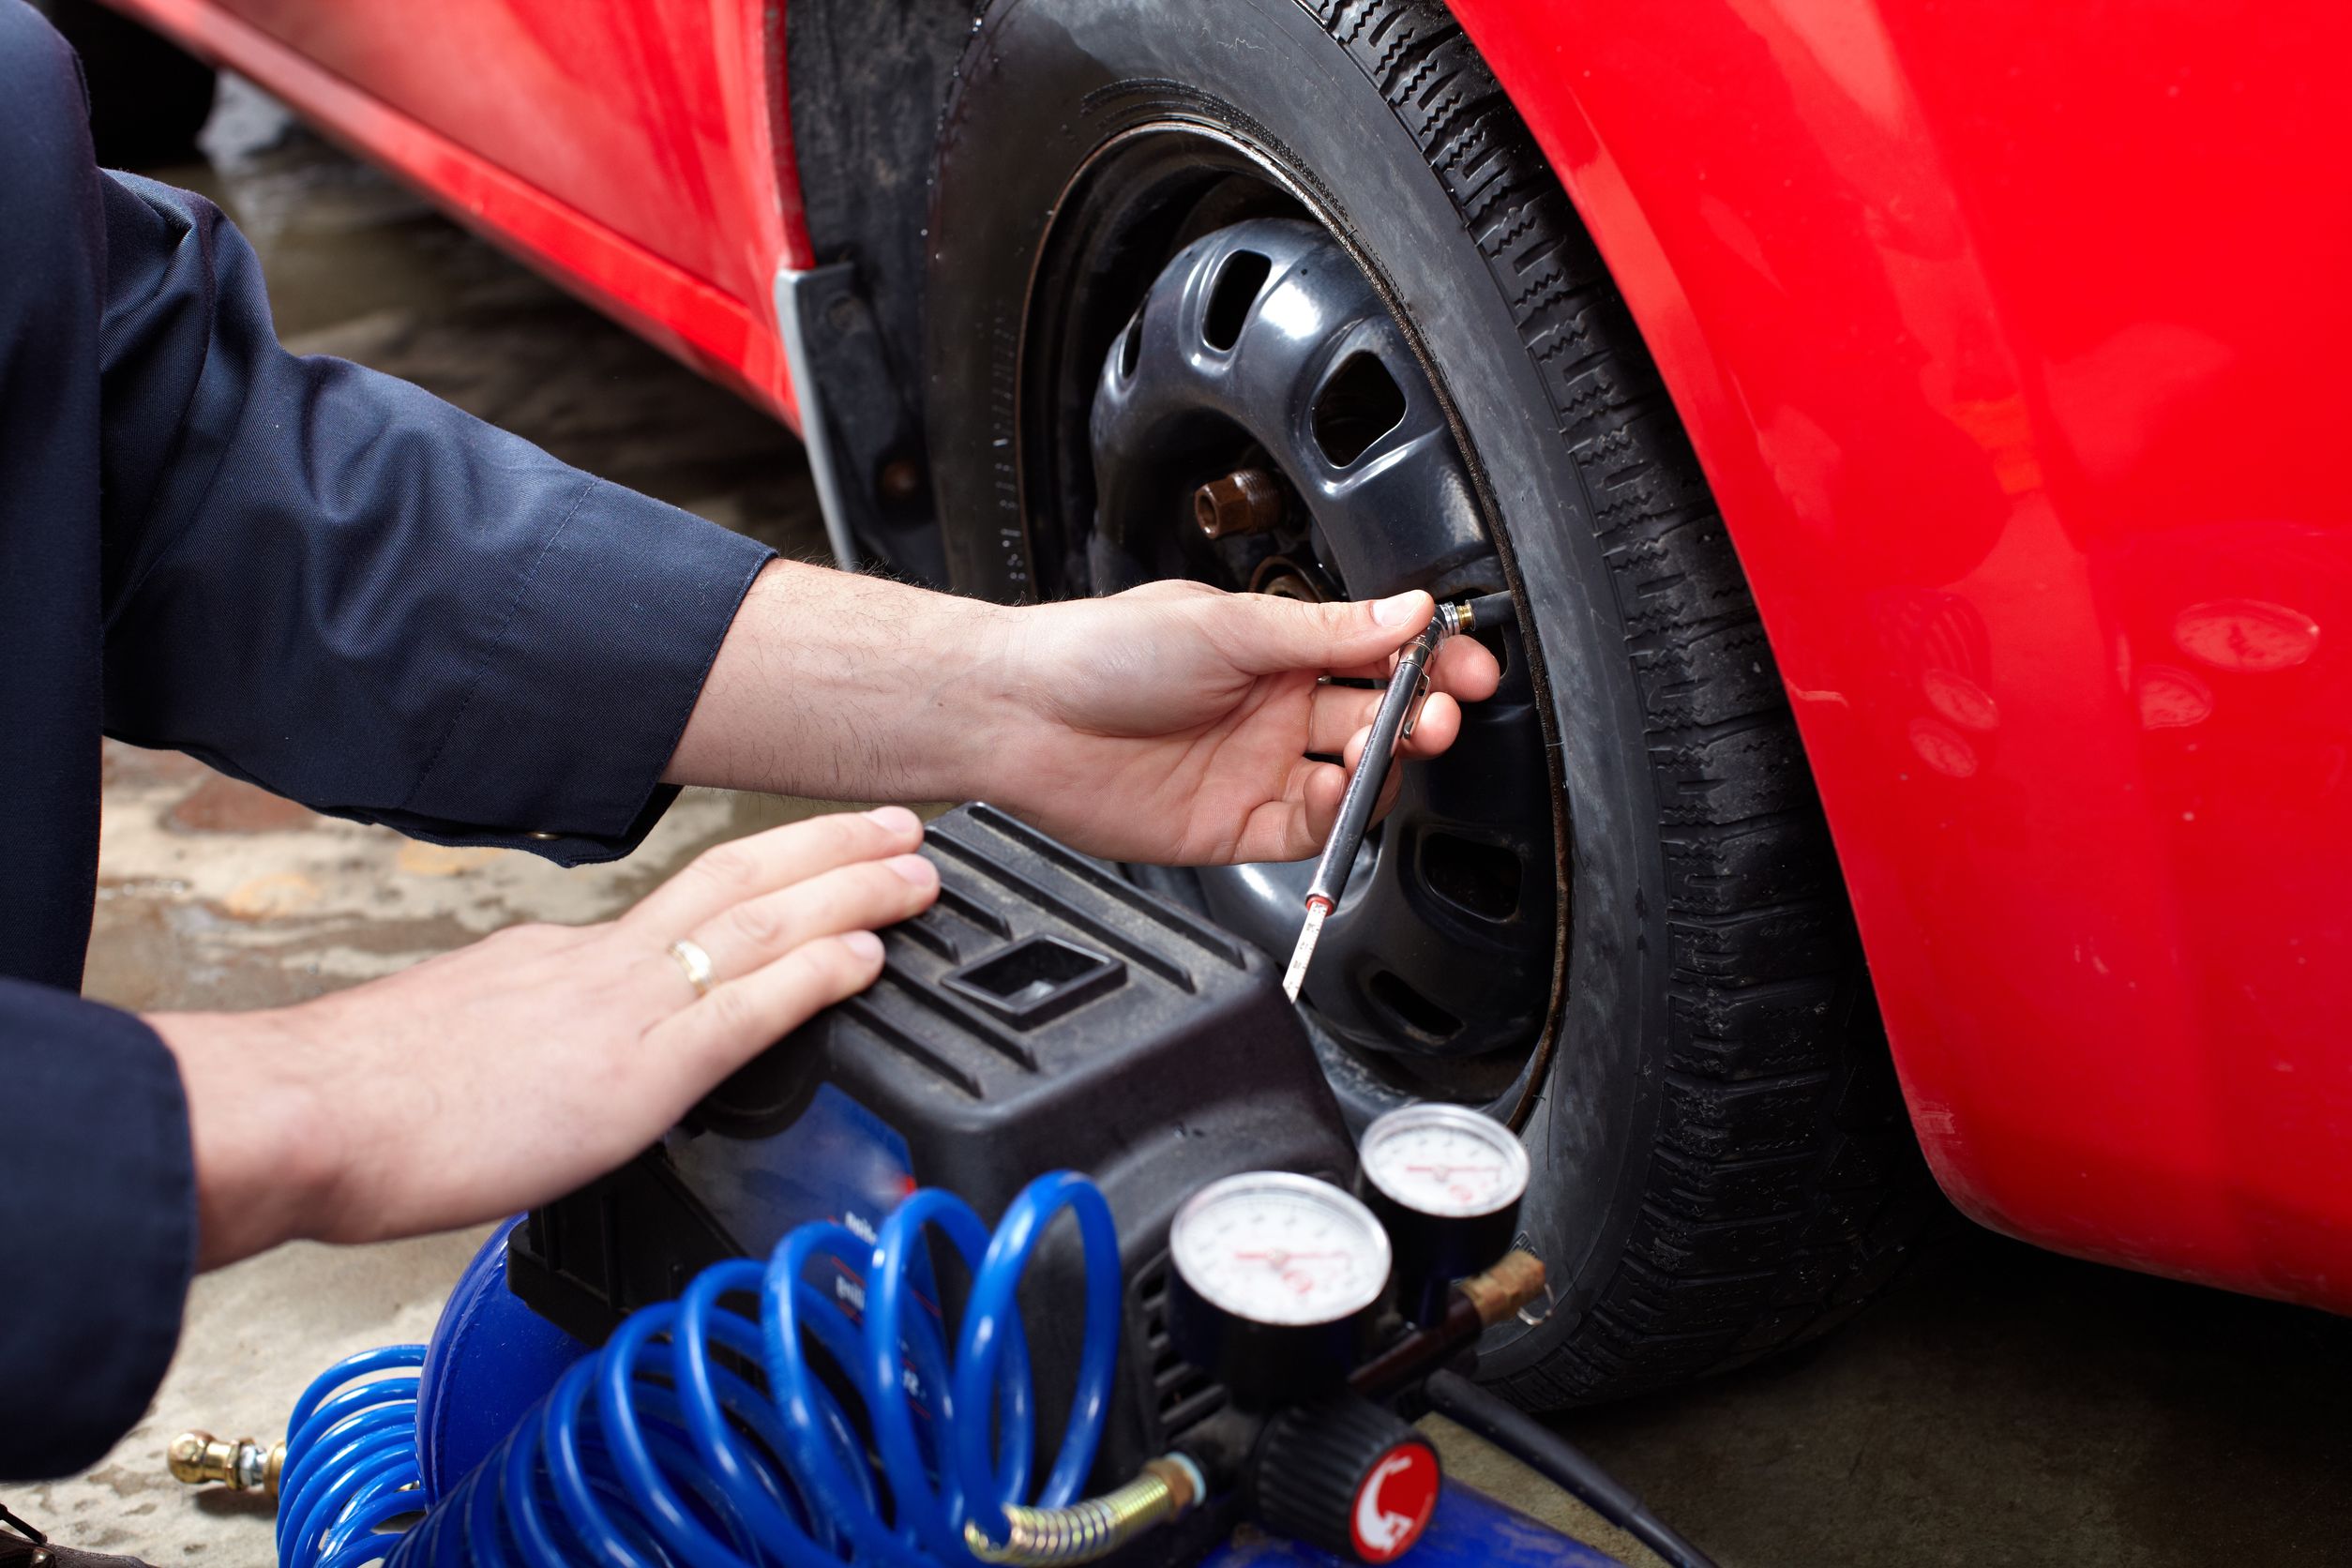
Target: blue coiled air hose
pixel 660 1452
pixel 347 1451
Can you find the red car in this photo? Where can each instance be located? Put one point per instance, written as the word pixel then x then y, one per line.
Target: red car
pixel 1905 426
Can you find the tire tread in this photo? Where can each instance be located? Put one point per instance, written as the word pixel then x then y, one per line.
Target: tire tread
pixel 1784 1185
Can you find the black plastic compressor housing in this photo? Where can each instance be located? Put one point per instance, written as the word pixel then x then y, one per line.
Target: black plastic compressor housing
pixel 1043 1015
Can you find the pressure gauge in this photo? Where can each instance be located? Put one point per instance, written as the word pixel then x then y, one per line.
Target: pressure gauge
pixel 1276 1278
pixel 1446 1182
pixel 1444 1160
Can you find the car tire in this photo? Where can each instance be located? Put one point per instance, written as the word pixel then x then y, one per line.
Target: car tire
pixel 149 97
pixel 1723 1166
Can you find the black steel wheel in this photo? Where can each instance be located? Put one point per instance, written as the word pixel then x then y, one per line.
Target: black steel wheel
pixel 1306 253
pixel 1263 350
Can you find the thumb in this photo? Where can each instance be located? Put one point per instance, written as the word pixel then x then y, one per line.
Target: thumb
pixel 1269 634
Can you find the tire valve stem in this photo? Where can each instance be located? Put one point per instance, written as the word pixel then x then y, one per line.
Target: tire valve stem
pixel 1407 683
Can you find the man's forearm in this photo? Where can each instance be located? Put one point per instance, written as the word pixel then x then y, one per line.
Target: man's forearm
pixel 848 687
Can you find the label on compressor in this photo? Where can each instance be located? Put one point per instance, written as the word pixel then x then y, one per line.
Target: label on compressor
pixel 841 1162
pixel 1393 1503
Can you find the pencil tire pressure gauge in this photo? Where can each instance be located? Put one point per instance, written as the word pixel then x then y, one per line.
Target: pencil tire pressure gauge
pixel 1445 1181
pixel 1274 1280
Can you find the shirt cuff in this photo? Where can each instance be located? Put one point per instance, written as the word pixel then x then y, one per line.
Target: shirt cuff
pixel 97 1226
pixel 598 664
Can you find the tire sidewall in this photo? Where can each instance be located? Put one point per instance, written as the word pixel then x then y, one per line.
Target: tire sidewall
pixel 1045 83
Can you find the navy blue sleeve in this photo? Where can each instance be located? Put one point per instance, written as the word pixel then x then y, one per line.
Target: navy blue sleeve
pixel 336 585
pixel 321 580
pixel 100 1214
pixel 97 1221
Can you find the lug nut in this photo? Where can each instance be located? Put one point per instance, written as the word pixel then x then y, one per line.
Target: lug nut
pixel 1284 581
pixel 1246 501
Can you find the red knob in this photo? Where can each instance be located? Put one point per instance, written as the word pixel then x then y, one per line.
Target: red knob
pixel 1347 1476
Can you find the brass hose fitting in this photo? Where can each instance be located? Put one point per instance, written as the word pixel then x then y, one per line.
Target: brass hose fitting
pixel 1084 1531
pixel 242 1465
pixel 1515 1281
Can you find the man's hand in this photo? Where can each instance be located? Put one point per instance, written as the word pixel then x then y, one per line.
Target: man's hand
pixel 1177 724
pixel 1171 723
pixel 504 1074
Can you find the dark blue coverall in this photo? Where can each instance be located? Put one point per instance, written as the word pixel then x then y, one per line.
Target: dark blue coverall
pixel 313 577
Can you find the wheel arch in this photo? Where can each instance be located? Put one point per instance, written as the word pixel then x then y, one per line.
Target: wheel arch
pixel 852 66
pixel 1940 455
pixel 1815 219
pixel 1810 225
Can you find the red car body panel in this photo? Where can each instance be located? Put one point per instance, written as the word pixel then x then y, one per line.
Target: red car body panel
pixel 637 153
pixel 2009 337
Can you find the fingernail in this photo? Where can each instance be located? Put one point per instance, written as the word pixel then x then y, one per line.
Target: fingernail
pixel 1396 609
pixel 897 819
pixel 914 868
pixel 863 944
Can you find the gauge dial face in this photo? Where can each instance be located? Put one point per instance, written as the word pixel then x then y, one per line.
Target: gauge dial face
pixel 1444 1160
pixel 1276 1249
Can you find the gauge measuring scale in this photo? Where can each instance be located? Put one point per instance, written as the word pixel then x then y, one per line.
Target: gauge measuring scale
pixel 1274 1282
pixel 1445 1182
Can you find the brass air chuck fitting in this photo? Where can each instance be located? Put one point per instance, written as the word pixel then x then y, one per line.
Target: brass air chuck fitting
pixel 240 1463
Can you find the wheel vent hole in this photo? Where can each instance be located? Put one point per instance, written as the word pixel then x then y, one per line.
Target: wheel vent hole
pixel 1130 347
pixel 1358 405
pixel 1238 282
pixel 1482 879
pixel 1417 1012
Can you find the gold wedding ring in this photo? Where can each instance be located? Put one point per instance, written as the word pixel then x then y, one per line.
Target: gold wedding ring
pixel 696 963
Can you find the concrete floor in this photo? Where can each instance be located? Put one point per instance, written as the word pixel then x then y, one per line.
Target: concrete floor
pixel 2005 1407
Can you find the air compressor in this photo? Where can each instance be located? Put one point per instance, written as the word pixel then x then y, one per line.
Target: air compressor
pixel 785 1335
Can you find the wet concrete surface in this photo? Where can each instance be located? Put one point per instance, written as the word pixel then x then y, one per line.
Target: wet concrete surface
pixel 2005 1407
